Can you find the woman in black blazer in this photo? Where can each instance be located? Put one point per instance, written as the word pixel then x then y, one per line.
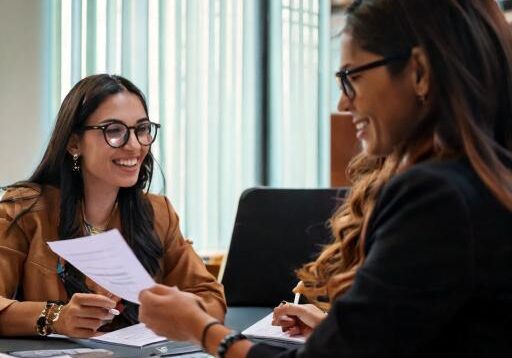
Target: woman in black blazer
pixel 422 261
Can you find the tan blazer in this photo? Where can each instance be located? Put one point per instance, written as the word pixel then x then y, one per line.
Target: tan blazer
pixel 27 262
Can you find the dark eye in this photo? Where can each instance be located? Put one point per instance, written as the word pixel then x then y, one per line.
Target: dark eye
pixel 115 130
pixel 144 128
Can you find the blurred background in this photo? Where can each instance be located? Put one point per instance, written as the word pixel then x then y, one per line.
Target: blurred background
pixel 244 91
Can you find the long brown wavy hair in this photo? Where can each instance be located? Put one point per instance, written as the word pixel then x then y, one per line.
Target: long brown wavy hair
pixel 469 47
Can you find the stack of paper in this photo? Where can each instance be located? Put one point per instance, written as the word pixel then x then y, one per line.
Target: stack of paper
pixel 264 329
pixel 139 336
pixel 135 336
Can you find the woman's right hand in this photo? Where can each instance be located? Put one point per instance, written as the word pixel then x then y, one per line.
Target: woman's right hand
pixel 83 315
pixel 297 319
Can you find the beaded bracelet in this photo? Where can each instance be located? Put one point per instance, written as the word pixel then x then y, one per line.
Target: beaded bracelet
pixel 228 341
pixel 205 331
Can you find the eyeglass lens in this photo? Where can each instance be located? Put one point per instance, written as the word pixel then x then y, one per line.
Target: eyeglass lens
pixel 344 85
pixel 347 87
pixel 117 134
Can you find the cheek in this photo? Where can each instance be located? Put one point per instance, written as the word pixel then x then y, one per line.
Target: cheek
pixel 402 120
pixel 97 156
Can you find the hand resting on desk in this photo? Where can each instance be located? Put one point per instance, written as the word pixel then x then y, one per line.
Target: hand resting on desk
pixel 297 319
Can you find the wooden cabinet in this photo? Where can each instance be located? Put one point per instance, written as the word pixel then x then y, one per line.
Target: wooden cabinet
pixel 344 145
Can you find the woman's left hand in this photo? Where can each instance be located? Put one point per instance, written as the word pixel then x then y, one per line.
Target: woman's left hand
pixel 172 313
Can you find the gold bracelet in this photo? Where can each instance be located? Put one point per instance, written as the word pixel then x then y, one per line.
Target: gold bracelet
pixel 41 322
pixel 49 315
pixel 53 316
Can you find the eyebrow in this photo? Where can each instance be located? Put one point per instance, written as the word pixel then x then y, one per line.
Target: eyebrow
pixel 112 120
pixel 345 67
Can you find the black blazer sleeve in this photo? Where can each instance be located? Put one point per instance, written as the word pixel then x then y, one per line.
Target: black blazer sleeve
pixel 416 274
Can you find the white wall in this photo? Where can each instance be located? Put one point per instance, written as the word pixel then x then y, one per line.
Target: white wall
pixel 21 66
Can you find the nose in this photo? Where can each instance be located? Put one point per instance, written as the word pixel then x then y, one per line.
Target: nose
pixel 344 104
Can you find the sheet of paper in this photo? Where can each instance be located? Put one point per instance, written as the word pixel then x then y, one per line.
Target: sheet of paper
pixel 137 335
pixel 61 353
pixel 264 329
pixel 36 353
pixel 106 259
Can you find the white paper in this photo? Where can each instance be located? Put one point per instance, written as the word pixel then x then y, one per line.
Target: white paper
pixel 4 355
pixel 264 329
pixel 137 335
pixel 106 259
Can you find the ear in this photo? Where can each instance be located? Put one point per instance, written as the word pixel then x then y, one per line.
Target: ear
pixel 73 146
pixel 421 72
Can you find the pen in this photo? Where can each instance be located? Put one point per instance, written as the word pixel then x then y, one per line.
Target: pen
pixel 297 291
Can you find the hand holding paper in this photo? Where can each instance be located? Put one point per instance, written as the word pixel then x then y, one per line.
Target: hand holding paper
pixel 106 259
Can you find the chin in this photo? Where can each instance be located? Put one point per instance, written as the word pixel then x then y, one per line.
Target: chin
pixel 369 149
pixel 364 146
pixel 374 149
pixel 127 183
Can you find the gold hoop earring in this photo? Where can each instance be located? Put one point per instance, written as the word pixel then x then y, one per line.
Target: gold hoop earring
pixel 76 165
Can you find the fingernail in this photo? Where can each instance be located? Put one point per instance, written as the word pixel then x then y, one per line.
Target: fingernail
pixel 114 311
pixel 283 302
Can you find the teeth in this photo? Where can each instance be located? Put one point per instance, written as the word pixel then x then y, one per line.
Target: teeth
pixel 126 162
pixel 361 125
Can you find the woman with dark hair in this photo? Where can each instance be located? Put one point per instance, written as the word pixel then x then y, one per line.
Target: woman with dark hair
pixel 94 176
pixel 422 261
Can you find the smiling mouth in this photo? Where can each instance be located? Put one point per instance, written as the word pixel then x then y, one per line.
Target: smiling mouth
pixel 127 163
pixel 361 124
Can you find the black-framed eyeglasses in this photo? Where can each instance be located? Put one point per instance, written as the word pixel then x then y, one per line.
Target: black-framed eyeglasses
pixel 117 133
pixel 342 76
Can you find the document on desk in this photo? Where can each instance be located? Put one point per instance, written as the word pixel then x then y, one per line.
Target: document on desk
pixel 106 259
pixel 263 329
pixel 137 335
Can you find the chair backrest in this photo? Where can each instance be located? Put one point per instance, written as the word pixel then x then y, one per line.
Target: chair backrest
pixel 276 231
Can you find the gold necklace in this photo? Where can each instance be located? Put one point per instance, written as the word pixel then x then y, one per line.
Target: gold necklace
pixel 93 230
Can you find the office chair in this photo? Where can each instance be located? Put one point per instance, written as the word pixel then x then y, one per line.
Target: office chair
pixel 276 231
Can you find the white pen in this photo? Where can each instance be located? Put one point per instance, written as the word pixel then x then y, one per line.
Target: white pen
pixel 296 298
pixel 114 311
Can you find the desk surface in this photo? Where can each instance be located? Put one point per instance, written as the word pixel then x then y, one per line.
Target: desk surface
pixel 237 318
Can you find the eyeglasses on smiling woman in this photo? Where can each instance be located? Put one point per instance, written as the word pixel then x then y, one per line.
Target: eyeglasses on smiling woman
pixel 117 133
pixel 342 76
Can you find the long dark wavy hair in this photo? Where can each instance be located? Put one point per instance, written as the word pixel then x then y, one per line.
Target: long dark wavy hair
pixel 55 169
pixel 468 44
